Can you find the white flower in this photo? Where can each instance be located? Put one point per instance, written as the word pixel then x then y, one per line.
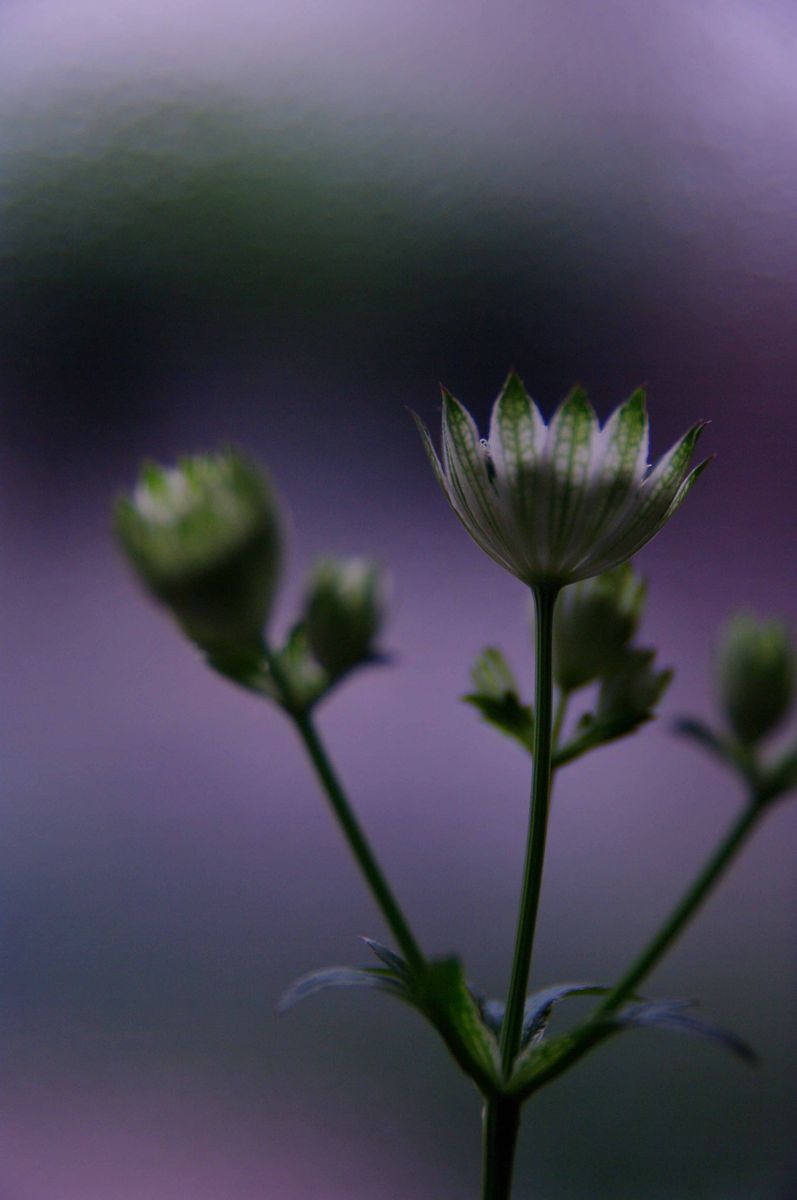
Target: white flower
pixel 558 503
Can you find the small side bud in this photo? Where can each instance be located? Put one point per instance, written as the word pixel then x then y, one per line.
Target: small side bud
pixel 344 609
pixel 754 669
pixel 204 538
pixel 628 697
pixel 593 623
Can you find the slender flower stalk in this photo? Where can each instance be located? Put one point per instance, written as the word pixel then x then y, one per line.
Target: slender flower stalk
pixel 352 830
pixel 560 715
pixel 501 1114
pixel 545 600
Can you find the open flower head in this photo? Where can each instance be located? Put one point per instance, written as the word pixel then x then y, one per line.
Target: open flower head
pixel 560 502
pixel 204 537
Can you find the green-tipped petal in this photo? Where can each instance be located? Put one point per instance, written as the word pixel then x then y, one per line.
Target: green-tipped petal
pixel 660 495
pixel 625 439
pixel 466 470
pixel 517 435
pixel 571 438
pixel 516 446
pixel 431 454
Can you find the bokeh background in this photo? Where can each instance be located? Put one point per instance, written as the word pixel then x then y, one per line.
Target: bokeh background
pixel 281 224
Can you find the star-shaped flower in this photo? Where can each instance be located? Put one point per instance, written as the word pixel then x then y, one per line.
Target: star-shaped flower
pixel 560 502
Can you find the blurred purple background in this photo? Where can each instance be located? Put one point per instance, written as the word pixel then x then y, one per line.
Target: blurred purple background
pixel 281 225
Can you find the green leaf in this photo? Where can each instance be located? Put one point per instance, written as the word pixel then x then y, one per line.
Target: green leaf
pixel 373 978
pixel 448 1002
pixel 497 697
pixel 543 1062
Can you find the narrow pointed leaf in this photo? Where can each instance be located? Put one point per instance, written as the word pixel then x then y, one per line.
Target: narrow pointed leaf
pixel 539 1006
pixel 340 977
pixel 492 1012
pixel 671 1016
pixel 704 736
pixel 389 957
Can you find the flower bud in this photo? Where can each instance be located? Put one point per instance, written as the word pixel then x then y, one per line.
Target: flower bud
pixel 630 693
pixel 593 622
pixel 344 608
pixel 755 675
pixel 204 538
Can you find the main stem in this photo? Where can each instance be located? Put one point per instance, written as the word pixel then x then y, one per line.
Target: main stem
pixel 544 602
pixel 684 910
pixel 502 1113
pixel 352 830
pixel 499 1137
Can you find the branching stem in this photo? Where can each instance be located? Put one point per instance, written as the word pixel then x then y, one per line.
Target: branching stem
pixel 352 830
pixel 684 910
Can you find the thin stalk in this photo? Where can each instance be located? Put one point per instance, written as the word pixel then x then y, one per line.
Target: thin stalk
pixel 544 602
pixel 684 910
pixel 352 831
pixel 559 718
pixel 499 1137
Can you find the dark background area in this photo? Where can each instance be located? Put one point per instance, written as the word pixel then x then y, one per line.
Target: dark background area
pixel 281 225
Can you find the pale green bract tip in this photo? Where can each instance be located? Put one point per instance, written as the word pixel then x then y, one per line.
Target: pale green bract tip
pixel 557 503
pixel 204 536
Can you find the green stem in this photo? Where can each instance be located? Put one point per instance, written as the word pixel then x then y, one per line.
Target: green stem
pixel 501 1122
pixel 596 1030
pixel 559 718
pixel 684 910
pixel 352 831
pixel 544 601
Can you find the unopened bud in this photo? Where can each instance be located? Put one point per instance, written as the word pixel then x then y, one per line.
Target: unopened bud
pixel 344 609
pixel 755 675
pixel 204 538
pixel 593 622
pixel 630 694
